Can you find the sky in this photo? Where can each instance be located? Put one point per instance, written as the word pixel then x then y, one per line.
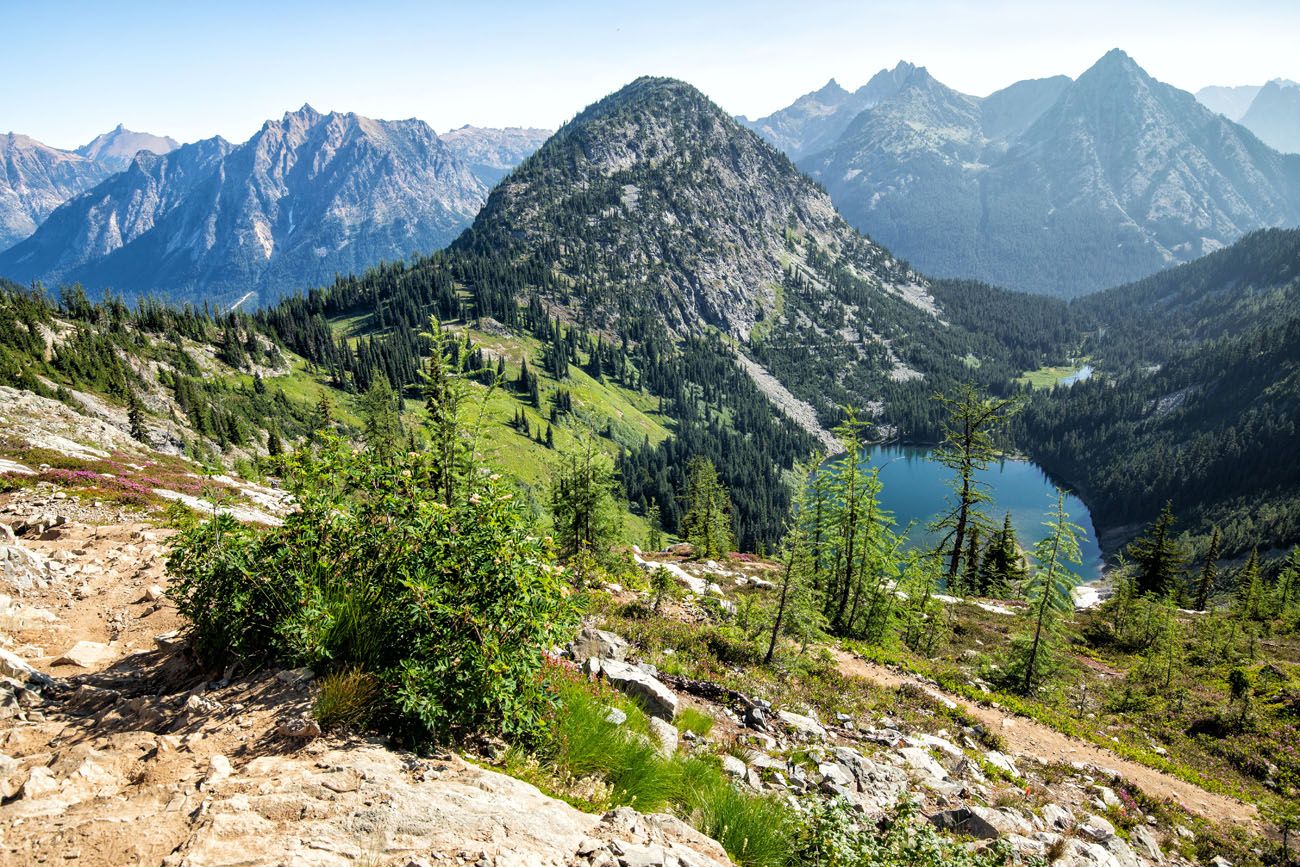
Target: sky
pixel 193 70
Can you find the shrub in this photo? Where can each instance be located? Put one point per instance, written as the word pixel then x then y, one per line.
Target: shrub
pixel 451 606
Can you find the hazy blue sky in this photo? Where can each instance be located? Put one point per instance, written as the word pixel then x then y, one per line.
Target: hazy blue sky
pixel 192 70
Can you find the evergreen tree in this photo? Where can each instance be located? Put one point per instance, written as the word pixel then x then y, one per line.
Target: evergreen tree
pixel 274 447
pixel 707 522
pixel 382 421
pixel 967 448
pixel 1288 585
pixel 796 574
pixel 1048 591
pixel 1248 604
pixel 655 536
pixel 1002 571
pixel 1157 561
pixel 584 510
pixel 135 417
pixel 1209 573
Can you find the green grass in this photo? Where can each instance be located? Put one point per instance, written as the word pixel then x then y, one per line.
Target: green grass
pixel 694 721
pixel 756 830
pixel 1046 377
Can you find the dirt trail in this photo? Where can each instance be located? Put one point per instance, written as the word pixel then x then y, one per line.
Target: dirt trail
pixel 1025 736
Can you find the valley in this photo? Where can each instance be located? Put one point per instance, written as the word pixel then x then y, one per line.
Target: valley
pixel 903 478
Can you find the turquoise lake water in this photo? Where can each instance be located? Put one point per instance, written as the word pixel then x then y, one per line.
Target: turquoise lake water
pixel 915 488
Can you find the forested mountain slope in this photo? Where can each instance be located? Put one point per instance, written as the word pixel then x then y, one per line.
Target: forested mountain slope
pixel 1197 402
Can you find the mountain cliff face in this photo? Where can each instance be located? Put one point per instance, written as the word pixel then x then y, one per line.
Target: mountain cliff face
pixel 115 150
pixel 815 120
pixel 306 197
pixel 1274 116
pixel 1056 187
pixel 491 153
pixel 34 180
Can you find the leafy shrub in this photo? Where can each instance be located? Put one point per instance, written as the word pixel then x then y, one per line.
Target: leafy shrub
pixel 451 606
pixel 833 836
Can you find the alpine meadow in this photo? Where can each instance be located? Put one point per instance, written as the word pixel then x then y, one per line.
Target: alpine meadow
pixel 909 475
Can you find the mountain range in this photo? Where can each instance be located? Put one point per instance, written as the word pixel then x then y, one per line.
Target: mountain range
pixel 306 197
pixel 1053 186
pixel 36 178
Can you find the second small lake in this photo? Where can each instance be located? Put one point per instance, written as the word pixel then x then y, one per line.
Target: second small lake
pixel 916 488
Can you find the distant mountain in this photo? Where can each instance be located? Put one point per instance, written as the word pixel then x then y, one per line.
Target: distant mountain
pixel 1054 186
pixel 1274 116
pixel 115 149
pixel 306 197
pixel 815 120
pixel 34 180
pixel 1231 102
pixel 492 153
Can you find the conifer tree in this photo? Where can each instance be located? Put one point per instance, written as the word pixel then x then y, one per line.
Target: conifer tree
pixel 382 422
pixel 1209 573
pixel 967 448
pixel 135 418
pixel 584 510
pixel 1248 603
pixel 1288 585
pixel 1002 571
pixel 1157 561
pixel 796 573
pixel 655 536
pixel 707 522
pixel 1048 591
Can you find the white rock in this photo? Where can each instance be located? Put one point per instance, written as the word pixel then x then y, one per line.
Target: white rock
pixel 920 760
pixel 666 735
pixel 659 700
pixel 804 725
pixel 86 654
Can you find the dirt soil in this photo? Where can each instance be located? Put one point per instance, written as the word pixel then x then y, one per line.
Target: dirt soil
pixel 1028 737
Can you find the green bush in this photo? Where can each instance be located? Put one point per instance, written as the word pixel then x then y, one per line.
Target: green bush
pixel 450 605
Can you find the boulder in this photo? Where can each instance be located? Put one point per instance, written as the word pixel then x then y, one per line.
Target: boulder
pixel 802 725
pixel 982 823
pixel 1143 839
pixel 12 665
pixel 1002 762
pixel 733 767
pixel 615 716
pixel 920 760
pixel 598 643
pixel 659 700
pixel 1097 828
pixel 86 654
pixel 666 736
pixel 1057 817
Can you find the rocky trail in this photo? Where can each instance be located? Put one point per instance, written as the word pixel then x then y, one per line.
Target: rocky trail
pixel 115 750
pixel 1029 738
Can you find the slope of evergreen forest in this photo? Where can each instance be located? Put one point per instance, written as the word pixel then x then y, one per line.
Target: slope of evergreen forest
pixel 1196 403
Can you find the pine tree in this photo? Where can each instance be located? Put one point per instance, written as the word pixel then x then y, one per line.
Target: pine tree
pixel 135 418
pixel 1156 557
pixel 1248 603
pixel 796 574
pixel 707 522
pixel 274 447
pixel 1209 573
pixel 1049 593
pixel 655 536
pixel 1288 585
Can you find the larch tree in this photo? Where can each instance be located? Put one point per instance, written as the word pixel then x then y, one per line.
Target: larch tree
pixel 584 508
pixel 967 448
pixel 1048 590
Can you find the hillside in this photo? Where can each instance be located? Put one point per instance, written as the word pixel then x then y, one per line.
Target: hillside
pixel 1054 186
pixel 1196 400
pixel 307 197
pixel 35 180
